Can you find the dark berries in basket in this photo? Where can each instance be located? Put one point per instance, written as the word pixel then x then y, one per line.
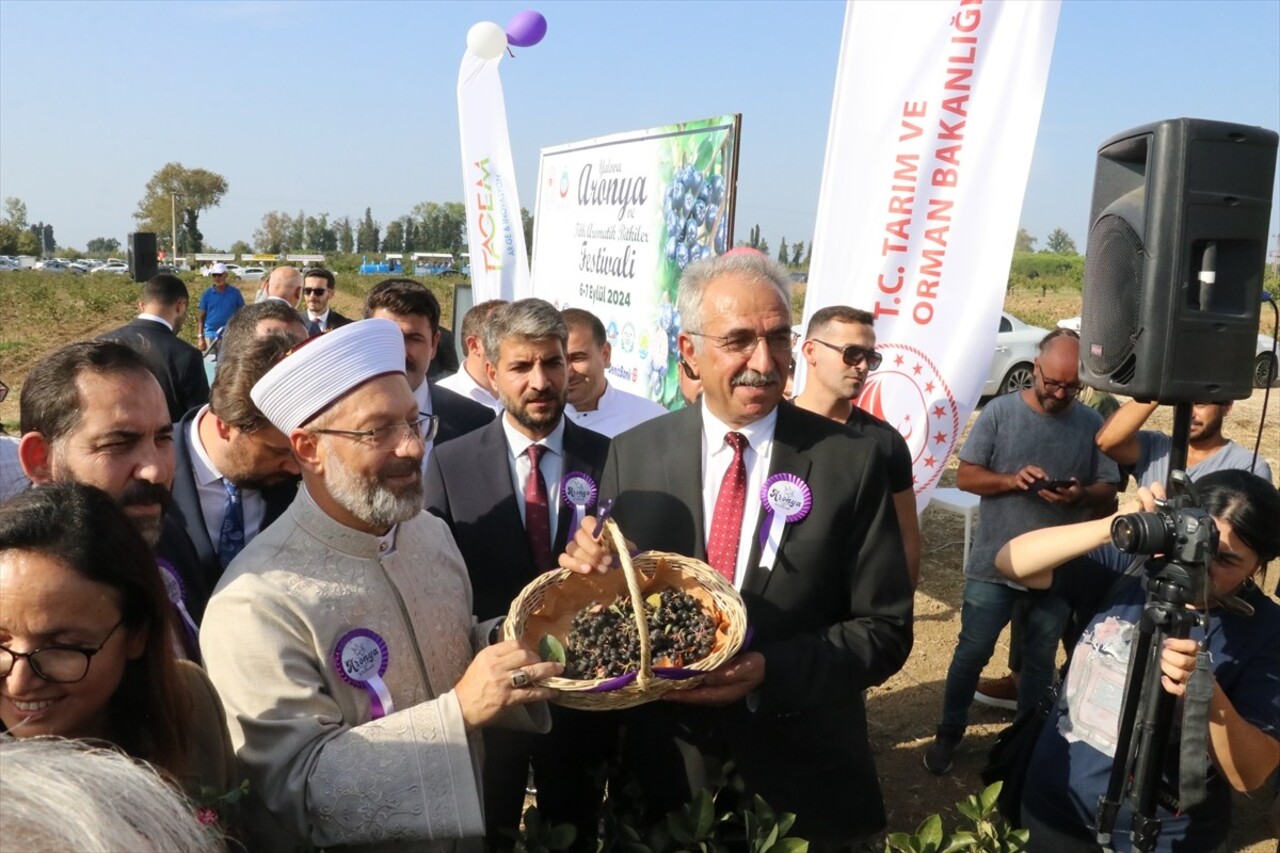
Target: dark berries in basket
pixel 603 642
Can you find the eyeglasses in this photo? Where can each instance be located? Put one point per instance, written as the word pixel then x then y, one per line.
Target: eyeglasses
pixel 392 436
pixel 743 341
pixel 1053 386
pixel 852 354
pixel 315 291
pixel 56 664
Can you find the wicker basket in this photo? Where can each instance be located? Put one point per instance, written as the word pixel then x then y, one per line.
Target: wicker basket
pixel 554 594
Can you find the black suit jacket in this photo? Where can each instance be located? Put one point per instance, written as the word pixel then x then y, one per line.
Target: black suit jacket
pixel 185 509
pixel 176 364
pixel 333 321
pixel 458 415
pixel 832 617
pixel 468 484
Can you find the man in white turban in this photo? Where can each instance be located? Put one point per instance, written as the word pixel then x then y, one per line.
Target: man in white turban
pixel 341 638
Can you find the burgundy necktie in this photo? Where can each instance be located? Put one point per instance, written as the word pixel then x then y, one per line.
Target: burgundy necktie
pixel 726 522
pixel 537 516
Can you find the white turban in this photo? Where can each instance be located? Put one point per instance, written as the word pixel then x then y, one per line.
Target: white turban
pixel 325 368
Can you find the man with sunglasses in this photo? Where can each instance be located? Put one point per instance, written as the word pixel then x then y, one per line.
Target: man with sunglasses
pixel 318 287
pixel 829 606
pixel 341 640
pixel 840 349
pixel 1031 458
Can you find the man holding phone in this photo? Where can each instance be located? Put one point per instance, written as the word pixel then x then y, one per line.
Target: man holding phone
pixel 1032 459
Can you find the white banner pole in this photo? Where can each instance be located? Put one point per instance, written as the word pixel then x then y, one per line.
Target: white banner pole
pixel 933 123
pixel 495 232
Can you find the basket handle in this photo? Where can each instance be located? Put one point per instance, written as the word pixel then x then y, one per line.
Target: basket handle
pixel 645 676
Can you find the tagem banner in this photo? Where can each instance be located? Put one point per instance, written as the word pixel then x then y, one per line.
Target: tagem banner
pixel 617 220
pixel 495 234
pixel 932 129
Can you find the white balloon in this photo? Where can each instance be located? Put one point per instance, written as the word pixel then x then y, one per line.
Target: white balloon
pixel 486 40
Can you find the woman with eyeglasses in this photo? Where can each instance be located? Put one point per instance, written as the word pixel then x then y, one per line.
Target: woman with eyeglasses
pixel 85 643
pixel 1071 762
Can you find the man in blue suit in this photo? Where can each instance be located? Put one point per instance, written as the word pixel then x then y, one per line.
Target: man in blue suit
pixel 235 473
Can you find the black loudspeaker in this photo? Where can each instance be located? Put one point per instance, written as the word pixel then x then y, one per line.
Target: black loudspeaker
pixel 142 256
pixel 1177 250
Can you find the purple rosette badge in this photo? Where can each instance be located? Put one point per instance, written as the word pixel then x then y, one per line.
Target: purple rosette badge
pixel 787 499
pixel 176 591
pixel 361 660
pixel 579 491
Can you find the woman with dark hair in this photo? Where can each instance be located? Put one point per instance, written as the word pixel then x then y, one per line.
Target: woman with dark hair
pixel 1071 763
pixel 85 642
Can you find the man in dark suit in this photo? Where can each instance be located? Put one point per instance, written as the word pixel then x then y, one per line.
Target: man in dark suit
pixel 830 606
pixel 318 287
pixel 416 311
pixel 501 491
pixel 234 472
pixel 92 413
pixel 176 364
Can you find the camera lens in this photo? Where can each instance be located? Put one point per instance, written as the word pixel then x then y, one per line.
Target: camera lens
pixel 1140 533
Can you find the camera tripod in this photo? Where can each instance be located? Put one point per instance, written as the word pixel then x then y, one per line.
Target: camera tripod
pixel 1146 717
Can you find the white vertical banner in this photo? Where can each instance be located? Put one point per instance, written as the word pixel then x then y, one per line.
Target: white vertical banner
pixel 933 123
pixel 495 233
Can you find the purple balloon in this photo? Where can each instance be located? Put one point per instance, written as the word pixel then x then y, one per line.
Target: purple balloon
pixel 526 29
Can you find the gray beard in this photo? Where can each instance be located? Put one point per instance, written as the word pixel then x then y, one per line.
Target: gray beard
pixel 369 500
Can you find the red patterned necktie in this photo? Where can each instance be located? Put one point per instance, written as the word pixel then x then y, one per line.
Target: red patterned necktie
pixel 537 516
pixel 726 522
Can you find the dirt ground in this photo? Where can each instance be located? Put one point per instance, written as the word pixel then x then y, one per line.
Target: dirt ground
pixel 904 711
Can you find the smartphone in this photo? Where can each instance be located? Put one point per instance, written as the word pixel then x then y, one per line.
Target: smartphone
pixel 1052 485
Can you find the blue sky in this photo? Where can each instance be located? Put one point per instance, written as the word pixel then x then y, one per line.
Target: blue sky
pixel 335 106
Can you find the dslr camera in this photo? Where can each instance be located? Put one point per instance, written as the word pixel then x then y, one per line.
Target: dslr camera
pixel 1179 530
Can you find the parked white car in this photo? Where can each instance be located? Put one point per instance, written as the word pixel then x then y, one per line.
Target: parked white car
pixel 1264 360
pixel 1012 365
pixel 9 264
pixel 114 267
pixel 251 273
pixel 53 265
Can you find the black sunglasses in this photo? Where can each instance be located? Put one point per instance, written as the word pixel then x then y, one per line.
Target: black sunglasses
pixel 852 354
pixel 315 291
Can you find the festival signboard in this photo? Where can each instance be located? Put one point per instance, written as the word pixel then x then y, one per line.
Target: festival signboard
pixel 618 218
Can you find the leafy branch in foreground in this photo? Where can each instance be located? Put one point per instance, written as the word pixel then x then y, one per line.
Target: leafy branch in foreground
pixel 988 832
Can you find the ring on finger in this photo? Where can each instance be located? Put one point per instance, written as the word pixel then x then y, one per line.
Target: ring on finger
pixel 520 679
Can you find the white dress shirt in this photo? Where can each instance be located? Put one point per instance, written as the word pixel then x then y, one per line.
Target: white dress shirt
pixel 716 456
pixel 616 411
pixel 155 319
pixel 462 383
pixel 423 395
pixel 551 465
pixel 213 493
pixel 322 319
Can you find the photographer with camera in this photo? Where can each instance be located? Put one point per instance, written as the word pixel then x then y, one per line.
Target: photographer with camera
pixel 1071 762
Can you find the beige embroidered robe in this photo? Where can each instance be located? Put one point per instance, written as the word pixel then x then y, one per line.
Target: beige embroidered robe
pixel 322 771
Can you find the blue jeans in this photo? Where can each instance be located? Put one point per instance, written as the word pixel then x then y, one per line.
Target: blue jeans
pixel 987 607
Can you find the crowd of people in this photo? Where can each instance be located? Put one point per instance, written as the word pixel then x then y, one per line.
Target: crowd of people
pixel 280 595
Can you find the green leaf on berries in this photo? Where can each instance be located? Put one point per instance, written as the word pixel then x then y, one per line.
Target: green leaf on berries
pixel 551 649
